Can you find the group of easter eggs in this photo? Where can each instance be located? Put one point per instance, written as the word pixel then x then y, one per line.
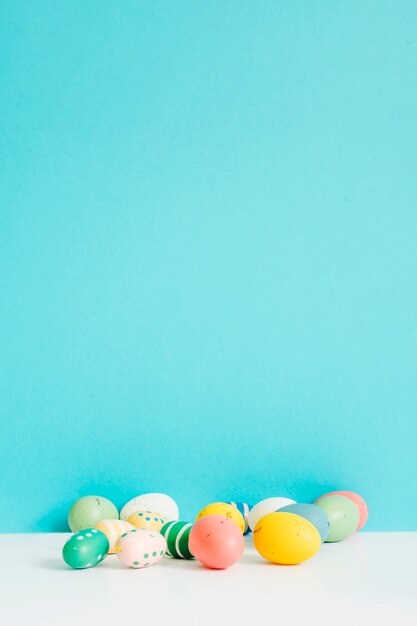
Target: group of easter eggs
pixel 148 527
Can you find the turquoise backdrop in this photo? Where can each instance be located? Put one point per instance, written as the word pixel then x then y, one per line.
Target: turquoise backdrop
pixel 208 253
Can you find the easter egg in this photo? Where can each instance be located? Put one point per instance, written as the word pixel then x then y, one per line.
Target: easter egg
pixel 358 500
pixel 113 528
pixel 86 548
pixel 313 514
pixel 227 510
pixel 243 509
pixel 147 520
pixel 157 502
pixel 87 511
pixel 216 541
pixel 140 548
pixel 286 538
pixel 342 514
pixel 269 505
pixel 177 536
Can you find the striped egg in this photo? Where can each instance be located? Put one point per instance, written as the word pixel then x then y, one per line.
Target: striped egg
pixel 243 509
pixel 113 529
pixel 146 520
pixel 177 537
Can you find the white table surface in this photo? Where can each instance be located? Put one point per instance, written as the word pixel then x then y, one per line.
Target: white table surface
pixel 370 577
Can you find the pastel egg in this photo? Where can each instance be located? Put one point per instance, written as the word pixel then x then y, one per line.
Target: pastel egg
pixel 269 505
pixel 85 549
pixel 158 502
pixel 243 509
pixel 342 514
pixel 113 528
pixel 87 511
pixel 313 514
pixel 177 535
pixel 216 541
pixel 227 510
pixel 286 538
pixel 358 500
pixel 140 548
pixel 147 520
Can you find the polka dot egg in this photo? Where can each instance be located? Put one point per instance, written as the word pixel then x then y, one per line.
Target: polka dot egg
pixel 85 549
pixel 140 548
pixel 147 520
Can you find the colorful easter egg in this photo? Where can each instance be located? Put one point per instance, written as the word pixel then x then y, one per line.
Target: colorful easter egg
pixel 177 536
pixel 342 514
pixel 227 510
pixel 87 511
pixel 243 509
pixel 269 505
pixel 216 541
pixel 147 520
pixel 157 502
pixel 313 514
pixel 85 549
pixel 286 538
pixel 140 548
pixel 113 528
pixel 358 500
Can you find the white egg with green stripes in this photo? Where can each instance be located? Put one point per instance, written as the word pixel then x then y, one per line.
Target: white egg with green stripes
pixel 177 535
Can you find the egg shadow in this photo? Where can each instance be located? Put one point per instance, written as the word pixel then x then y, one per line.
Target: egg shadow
pixel 112 562
pixel 53 564
pixel 170 563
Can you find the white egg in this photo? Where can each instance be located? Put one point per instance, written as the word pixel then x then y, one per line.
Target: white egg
pixel 270 505
pixel 155 502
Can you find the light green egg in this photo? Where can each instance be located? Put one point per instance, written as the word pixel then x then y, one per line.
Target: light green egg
pixel 343 516
pixel 89 510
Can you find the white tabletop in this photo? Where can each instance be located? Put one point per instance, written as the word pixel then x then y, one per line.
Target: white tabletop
pixel 370 576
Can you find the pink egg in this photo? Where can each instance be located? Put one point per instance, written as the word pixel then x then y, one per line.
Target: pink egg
pixel 140 548
pixel 216 541
pixel 356 499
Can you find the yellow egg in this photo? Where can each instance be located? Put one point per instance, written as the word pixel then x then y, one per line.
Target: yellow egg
pixel 286 538
pixel 113 529
pixel 147 520
pixel 227 510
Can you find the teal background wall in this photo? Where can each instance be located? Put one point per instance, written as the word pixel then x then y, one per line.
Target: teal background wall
pixel 208 264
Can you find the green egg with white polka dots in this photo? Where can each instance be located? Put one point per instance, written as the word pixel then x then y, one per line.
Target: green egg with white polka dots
pixel 86 549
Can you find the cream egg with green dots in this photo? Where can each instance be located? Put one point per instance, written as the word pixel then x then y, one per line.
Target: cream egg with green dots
pixel 140 548
pixel 147 520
